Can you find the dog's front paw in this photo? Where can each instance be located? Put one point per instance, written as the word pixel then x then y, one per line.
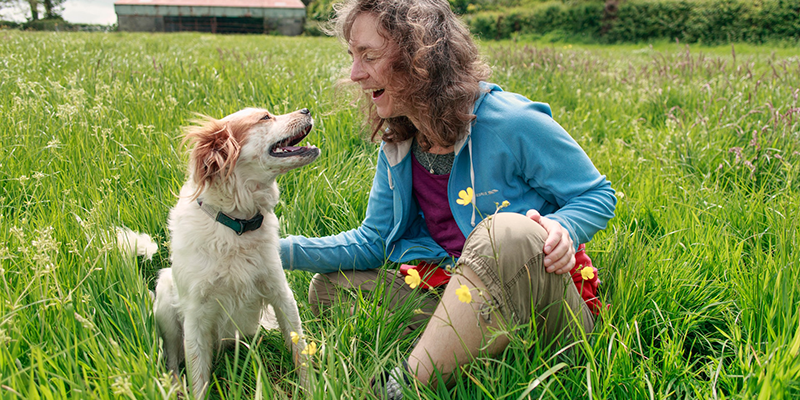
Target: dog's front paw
pixel 302 353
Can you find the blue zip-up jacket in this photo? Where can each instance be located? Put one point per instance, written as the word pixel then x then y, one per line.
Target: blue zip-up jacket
pixel 514 151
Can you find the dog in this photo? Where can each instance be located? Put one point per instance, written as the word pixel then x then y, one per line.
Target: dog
pixel 226 268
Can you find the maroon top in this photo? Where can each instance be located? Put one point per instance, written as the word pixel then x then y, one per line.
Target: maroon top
pixel 431 193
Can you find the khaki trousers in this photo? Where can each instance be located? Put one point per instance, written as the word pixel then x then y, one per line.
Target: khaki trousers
pixel 506 252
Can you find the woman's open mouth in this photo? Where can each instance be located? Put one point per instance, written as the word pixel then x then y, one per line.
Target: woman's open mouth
pixel 377 93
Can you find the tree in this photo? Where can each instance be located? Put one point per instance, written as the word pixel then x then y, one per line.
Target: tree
pixel 34 9
pixel 52 8
pixel 15 6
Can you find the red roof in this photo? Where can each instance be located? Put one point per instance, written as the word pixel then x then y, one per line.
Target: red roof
pixel 217 3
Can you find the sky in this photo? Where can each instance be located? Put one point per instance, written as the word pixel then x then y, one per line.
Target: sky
pixel 75 11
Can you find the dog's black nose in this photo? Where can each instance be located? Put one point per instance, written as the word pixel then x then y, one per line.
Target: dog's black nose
pixel 305 111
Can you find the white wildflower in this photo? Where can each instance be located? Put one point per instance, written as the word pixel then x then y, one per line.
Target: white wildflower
pixel 85 322
pixel 166 381
pixel 41 258
pixel 5 254
pixel 66 111
pixel 47 269
pixel 108 246
pixel 72 247
pixel 115 347
pixel 77 96
pixel 122 386
pixel 45 242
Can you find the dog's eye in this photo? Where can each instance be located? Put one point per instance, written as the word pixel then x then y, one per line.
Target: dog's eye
pixel 266 117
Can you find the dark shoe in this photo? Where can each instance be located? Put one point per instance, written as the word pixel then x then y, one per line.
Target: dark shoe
pixel 389 385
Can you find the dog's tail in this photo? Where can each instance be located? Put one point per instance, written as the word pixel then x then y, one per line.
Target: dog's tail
pixel 135 243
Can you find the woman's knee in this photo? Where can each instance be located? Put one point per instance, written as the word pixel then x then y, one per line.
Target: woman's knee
pixel 319 292
pixel 507 232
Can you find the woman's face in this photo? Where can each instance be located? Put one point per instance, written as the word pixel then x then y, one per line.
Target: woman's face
pixel 372 59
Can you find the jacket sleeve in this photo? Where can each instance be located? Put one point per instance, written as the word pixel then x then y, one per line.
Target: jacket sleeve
pixel 361 248
pixel 558 168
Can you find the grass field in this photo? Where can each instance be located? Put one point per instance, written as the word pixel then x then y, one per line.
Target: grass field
pixel 700 264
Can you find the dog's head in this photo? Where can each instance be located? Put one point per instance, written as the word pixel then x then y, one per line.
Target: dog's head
pixel 252 141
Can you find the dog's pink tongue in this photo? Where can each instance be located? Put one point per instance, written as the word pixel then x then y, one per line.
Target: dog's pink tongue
pixel 290 148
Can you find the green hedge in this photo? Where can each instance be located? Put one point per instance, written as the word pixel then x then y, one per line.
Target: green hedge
pixel 56 24
pixel 9 24
pixel 709 21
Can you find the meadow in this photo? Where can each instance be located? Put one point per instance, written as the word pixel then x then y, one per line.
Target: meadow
pixel 700 264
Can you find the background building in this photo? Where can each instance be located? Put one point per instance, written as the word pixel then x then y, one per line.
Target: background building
pixel 285 17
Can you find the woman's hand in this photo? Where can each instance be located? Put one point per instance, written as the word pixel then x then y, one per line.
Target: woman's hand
pixel 558 249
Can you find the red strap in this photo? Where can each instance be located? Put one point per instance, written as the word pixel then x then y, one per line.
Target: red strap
pixel 432 276
pixel 586 287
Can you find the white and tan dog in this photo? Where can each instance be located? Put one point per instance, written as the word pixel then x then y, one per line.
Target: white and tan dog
pixel 224 239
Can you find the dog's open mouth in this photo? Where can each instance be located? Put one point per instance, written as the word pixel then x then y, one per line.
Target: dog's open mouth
pixel 287 148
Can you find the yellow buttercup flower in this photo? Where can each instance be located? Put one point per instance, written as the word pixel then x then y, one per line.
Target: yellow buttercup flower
pixel 587 273
pixel 464 295
pixel 465 197
pixel 310 349
pixel 412 279
pixel 295 337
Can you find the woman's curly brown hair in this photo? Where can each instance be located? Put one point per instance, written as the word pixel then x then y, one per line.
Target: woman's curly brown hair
pixel 437 67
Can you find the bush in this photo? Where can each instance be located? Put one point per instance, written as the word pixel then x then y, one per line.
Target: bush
pixel 708 21
pixel 50 24
pixel 9 24
pixel 711 21
pixel 313 28
pixel 581 19
pixel 59 25
pixel 320 10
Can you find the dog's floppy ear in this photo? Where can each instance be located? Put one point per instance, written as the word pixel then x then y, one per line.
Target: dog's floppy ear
pixel 214 152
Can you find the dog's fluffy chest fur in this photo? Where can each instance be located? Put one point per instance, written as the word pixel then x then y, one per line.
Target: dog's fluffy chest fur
pixel 209 258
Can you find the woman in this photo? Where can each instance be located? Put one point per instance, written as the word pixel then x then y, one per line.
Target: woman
pixel 454 150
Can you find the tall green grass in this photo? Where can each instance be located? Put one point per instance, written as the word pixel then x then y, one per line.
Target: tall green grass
pixel 700 263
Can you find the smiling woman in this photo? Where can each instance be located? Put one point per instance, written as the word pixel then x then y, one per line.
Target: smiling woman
pixel 423 87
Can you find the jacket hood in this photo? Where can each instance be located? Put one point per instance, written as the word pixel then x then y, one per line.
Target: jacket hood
pixel 395 152
pixel 485 89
